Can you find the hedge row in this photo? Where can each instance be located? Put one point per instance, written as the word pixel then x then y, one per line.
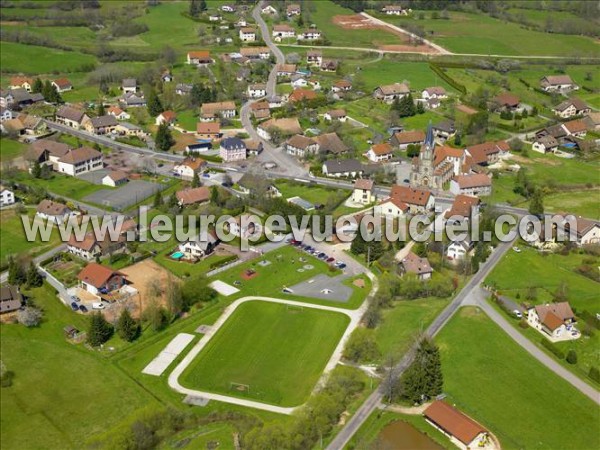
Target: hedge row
pixel 223 262
pixel 451 81
pixel 553 348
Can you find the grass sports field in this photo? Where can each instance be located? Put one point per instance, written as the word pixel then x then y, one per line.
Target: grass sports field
pixel 483 368
pixel 273 353
pixel 63 392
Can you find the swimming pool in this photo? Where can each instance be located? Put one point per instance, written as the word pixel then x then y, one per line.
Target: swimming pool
pixel 177 255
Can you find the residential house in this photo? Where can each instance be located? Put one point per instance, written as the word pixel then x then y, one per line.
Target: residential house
pixel 458 249
pixel 257 90
pixel 575 128
pixel 299 95
pixel 98 279
pixel 394 10
pixel 555 320
pixel 391 92
pixel 199 247
pixel 254 147
pixel 285 70
pixel 211 111
pixel 80 160
pixel 190 166
pixel 193 196
pixel 90 247
pixel 268 9
pixel 7 197
pixel 129 86
pixel 115 178
pixel 588 231
pixel 489 152
pixel 53 211
pixel 275 101
pixel 118 113
pixel 478 184
pixel 506 102
pixel 415 265
pixel 432 103
pixel 329 65
pixel 71 117
pixel 228 8
pixel 247 34
pixel 183 88
pixel 19 97
pixel 336 114
pixel 133 100
pixel 293 10
pixel 301 146
pixel 571 107
pixel 26 124
pixel 342 168
pixel 101 125
pixel 208 130
pixel 314 83
pixel 254 53
pixel 167 77
pixel 199 58
pixel 417 201
pixel 463 431
pixel 391 207
pixel 331 143
pixel 260 110
pixel 545 144
pixel 47 152
pixel 341 86
pixel 244 226
pixel 363 192
pixel 5 114
pixel 251 183
pixel 20 82
pixel 10 299
pixel 553 83
pixel 298 81
pixel 215 17
pixel 283 31
pixel 311 34
pixel 380 152
pixel 464 207
pixel 62 85
pixel 232 149
pixel 167 117
pixel 405 138
pixel 437 92
pixel 129 129
pixel 444 130
pixel 314 57
pixel 287 126
pixel 592 120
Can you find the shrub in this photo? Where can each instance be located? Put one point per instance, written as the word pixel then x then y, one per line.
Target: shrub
pixel 553 348
pixel 594 374
pixel 572 357
pixel 523 324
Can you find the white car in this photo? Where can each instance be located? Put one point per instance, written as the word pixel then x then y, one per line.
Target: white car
pixel 98 305
pixel 518 314
pixel 517 249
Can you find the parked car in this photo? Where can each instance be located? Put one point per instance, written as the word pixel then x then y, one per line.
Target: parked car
pixel 321 255
pixel 83 309
pixel 74 306
pixel 518 314
pixel 329 260
pixel 98 305
pixel 517 249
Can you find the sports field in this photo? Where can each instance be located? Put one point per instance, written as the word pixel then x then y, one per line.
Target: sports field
pixel 269 352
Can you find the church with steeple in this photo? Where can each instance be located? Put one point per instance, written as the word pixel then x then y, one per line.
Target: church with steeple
pixel 436 166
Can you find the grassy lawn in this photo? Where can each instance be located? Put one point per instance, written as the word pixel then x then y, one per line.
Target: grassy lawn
pixel 401 323
pixel 183 269
pixel 583 203
pixel 481 34
pixel 41 59
pixel 14 241
pixel 313 194
pixel 64 391
pixel 187 119
pixel 279 352
pixel 483 368
pixel 62 185
pixel 10 149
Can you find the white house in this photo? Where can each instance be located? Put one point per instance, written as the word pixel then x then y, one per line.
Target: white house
pixel 232 149
pixel 167 117
pixel 199 58
pixel 459 249
pixel 389 93
pixel 71 117
pixel 115 178
pixel 310 35
pixel 545 144
pixel 301 146
pixel 53 211
pixel 391 207
pixel 436 92
pixel 342 168
pixel 194 249
pixel 129 85
pixel 257 90
pixel 394 10
pixel 298 81
pixel 477 184
pixel 188 167
pixel 571 107
pixel 244 226
pixel 363 192
pixel 553 83
pixel 62 85
pixel 7 197
pixel 283 31
pixel 380 152
pixel 413 264
pixel 268 9
pixel 247 34
pixel 80 160
pixel 118 113
pixel 336 114
pixel 97 279
pixel 554 320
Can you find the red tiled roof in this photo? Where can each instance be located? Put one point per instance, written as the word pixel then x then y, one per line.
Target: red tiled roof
pixel 453 422
pixel 382 149
pixel 96 274
pixel 473 180
pixel 410 195
pixel 191 196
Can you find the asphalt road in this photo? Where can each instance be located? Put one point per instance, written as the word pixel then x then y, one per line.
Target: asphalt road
pixel 38 259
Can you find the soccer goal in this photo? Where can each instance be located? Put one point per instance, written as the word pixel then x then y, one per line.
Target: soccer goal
pixel 239 387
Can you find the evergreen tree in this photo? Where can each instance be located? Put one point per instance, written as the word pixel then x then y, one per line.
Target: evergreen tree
pixel 155 107
pixel 420 108
pixel 158 200
pixel 572 357
pixel 164 140
pixel 536 205
pixel 196 180
pixel 101 110
pixel 36 170
pixel 423 379
pixel 127 327
pixel 16 274
pixel 358 245
pixel 37 86
pixel 203 6
pixel 34 279
pixel 47 91
pixel 173 201
pixel 99 330
pixel 194 8
pixel 214 195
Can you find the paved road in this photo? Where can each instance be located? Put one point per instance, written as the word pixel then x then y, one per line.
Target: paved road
pixel 38 259
pixel 375 399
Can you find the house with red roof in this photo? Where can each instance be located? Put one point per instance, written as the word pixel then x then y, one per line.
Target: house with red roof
pixel 62 85
pixel 474 184
pixel 463 431
pixel 167 117
pixel 556 321
pixel 98 279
